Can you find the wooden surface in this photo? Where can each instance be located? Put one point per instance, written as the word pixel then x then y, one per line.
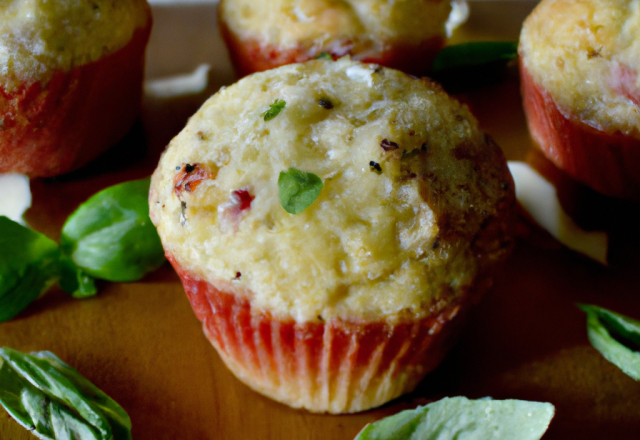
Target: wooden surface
pixel 142 345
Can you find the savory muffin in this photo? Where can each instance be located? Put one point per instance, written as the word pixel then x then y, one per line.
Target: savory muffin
pixel 579 67
pixel 351 301
pixel 404 34
pixel 70 80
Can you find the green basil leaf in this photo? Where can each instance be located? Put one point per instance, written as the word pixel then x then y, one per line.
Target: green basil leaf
pixel 28 266
pixel 600 324
pixel 75 281
pixel 468 55
pixel 274 109
pixel 324 56
pixel 298 190
pixel 53 401
pixel 111 237
pixel 459 417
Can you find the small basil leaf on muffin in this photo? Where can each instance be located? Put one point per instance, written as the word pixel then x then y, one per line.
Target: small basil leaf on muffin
pixel 274 109
pixel 607 330
pixel 53 401
pixel 111 237
pixel 324 56
pixel 75 281
pixel 28 266
pixel 465 55
pixel 460 417
pixel 298 190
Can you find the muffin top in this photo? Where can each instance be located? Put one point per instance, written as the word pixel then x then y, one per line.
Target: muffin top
pixel 416 205
pixel 586 54
pixel 360 26
pixel 38 37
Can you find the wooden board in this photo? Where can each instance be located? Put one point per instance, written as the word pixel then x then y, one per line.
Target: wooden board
pixel 142 345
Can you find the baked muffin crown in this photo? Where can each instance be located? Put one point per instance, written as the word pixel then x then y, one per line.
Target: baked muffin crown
pixel 416 205
pixel 39 37
pixel 586 54
pixel 337 26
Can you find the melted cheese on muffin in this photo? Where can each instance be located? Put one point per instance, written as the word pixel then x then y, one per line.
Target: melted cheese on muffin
pixel 38 37
pixel 337 26
pixel 398 239
pixel 586 54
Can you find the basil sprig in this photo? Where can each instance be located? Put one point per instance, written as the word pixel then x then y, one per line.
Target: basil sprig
pixel 601 324
pixel 466 66
pixel 298 190
pixel 459 417
pixel 478 53
pixel 274 109
pixel 111 237
pixel 75 281
pixel 28 266
pixel 53 401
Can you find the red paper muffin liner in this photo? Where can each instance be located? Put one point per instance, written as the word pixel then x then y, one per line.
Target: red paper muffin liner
pixel 335 366
pixel 608 162
pixel 49 129
pixel 249 56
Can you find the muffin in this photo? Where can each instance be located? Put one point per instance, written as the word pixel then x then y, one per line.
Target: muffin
pixel 70 81
pixel 579 61
pixel 350 302
pixel 403 34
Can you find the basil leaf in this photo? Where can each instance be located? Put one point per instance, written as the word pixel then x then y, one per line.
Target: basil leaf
pixel 75 281
pixel 274 109
pixel 111 237
pixel 298 190
pixel 459 417
pixel 467 55
pixel 53 401
pixel 600 324
pixel 28 266
pixel 324 56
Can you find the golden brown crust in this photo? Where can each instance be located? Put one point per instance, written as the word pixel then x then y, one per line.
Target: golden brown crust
pixel 404 35
pixel 586 55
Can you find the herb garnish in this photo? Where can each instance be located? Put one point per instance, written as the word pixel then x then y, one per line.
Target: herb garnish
pixel 473 54
pixel 53 401
pixel 28 266
pixel 407 154
pixel 460 417
pixel 109 237
pixel 324 56
pixel 601 324
pixel 467 66
pixel 274 109
pixel 298 190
